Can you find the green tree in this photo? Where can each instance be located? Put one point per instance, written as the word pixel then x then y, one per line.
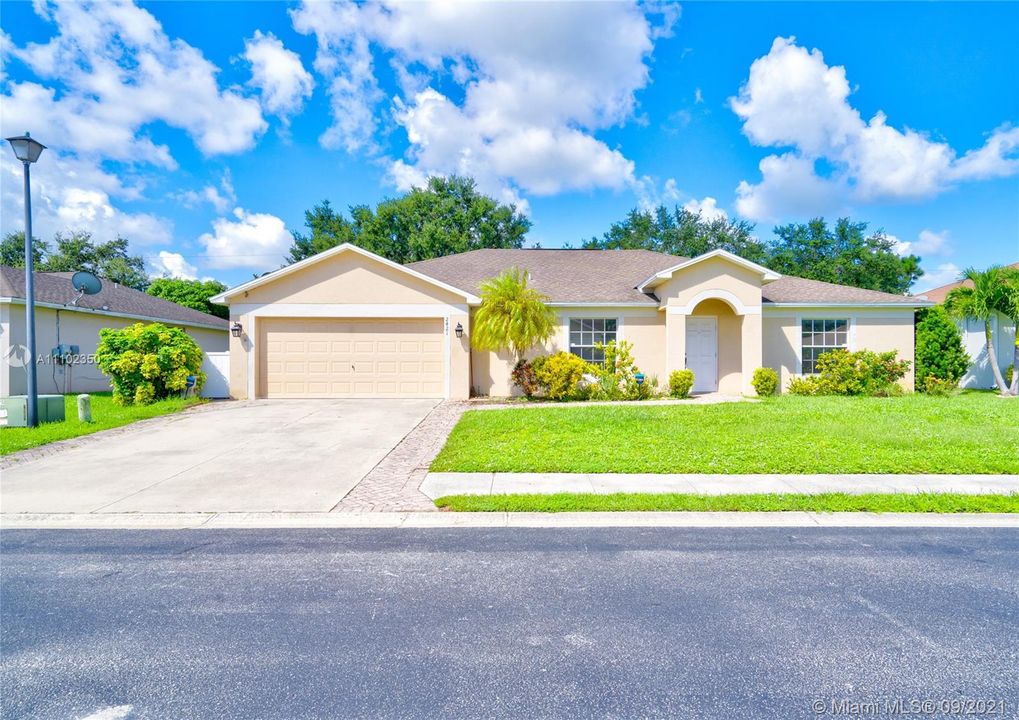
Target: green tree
pixel 680 232
pixel 110 260
pixel 148 362
pixel 194 294
pixel 985 294
pixel 939 349
pixel 512 315
pixel 1008 305
pixel 446 216
pixel 845 255
pixel 12 250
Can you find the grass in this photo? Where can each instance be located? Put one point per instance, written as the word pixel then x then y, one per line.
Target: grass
pixel 105 415
pixel 971 433
pixel 644 502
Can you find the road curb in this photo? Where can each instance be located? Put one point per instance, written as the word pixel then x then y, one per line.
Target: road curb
pixel 369 520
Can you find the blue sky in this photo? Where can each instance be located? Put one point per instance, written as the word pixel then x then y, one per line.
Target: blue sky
pixel 202 131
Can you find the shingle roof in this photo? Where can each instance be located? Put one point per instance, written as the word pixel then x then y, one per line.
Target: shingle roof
pixel 55 288
pixel 588 276
pixel 611 276
pixel 791 289
pixel 939 294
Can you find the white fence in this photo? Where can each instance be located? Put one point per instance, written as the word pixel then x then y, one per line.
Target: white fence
pixel 216 367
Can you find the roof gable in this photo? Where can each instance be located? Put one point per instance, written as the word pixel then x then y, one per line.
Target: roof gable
pixel 232 293
pixel 667 274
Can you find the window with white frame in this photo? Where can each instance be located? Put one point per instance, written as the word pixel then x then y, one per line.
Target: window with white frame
pixel 586 334
pixel 818 337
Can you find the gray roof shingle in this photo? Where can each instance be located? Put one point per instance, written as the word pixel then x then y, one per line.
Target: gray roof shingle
pixel 55 288
pixel 611 276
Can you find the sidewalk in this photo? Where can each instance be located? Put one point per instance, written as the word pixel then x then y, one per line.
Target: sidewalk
pixel 437 485
pixel 410 520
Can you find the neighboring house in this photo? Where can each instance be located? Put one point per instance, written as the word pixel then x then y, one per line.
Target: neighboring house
pixel 59 320
pixel 348 323
pixel 980 374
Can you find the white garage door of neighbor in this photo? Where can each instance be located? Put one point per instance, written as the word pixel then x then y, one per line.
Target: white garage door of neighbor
pixel 352 358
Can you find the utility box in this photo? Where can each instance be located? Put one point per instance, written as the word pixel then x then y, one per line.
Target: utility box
pixel 50 409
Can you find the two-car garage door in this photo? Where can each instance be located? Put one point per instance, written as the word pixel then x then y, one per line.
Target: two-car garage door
pixel 351 358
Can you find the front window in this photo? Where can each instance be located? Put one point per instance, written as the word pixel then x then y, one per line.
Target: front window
pixel 586 334
pixel 820 336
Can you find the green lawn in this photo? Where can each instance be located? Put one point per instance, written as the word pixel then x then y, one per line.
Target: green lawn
pixel 970 433
pixel 643 502
pixel 104 413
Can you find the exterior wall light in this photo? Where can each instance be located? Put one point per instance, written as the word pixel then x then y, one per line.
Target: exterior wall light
pixel 459 330
pixel 235 329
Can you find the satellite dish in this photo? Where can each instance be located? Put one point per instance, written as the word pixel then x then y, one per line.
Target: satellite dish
pixel 86 284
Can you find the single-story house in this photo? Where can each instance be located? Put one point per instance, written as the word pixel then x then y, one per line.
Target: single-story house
pixel 980 374
pixel 64 319
pixel 348 323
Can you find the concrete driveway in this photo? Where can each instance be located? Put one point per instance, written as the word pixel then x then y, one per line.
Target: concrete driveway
pixel 257 456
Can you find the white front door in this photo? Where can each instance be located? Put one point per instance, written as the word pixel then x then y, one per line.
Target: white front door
pixel 702 352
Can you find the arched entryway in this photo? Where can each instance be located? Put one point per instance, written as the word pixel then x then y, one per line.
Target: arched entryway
pixel 714 347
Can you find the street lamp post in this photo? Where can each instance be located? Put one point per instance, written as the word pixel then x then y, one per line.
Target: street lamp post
pixel 28 150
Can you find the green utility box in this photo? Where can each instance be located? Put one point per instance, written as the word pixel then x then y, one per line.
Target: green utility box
pixel 50 407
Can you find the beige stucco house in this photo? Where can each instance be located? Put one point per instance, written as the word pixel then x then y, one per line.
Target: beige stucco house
pixel 61 318
pixel 348 323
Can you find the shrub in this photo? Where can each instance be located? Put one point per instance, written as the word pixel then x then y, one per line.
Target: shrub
pixel 617 374
pixel 560 374
pixel 765 381
pixel 1008 375
pixel 148 362
pixel 680 383
pixel 938 387
pixel 939 349
pixel 840 372
pixel 525 378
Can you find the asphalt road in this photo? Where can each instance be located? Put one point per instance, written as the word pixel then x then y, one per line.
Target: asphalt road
pixel 466 623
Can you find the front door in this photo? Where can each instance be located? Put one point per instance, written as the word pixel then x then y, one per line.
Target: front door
pixel 702 352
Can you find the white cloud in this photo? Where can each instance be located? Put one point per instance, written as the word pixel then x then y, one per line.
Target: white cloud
pixel 222 198
pixel 278 73
pixel 789 188
pixel 793 99
pixel 707 208
pixel 253 240
pixel 71 194
pixel 173 265
pixel 698 97
pixel 534 83
pixel 941 275
pixel 119 73
pixel 927 243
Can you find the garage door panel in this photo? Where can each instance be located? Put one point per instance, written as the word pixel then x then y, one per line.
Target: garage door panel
pixel 352 358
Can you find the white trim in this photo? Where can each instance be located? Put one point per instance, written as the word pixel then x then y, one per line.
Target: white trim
pixel 860 306
pixel 828 312
pixel 766 274
pixel 344 310
pixel 713 294
pixel 112 313
pixel 223 298
pixel 589 316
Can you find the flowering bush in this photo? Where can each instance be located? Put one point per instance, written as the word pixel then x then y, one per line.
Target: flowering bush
pixel 681 383
pixel 560 376
pixel 146 363
pixel 840 372
pixel 765 381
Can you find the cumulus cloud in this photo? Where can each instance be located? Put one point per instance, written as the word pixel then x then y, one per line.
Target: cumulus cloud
pixel 510 94
pixel 251 240
pixel 941 275
pixel 794 99
pixel 927 243
pixel 221 197
pixel 172 265
pixel 707 208
pixel 279 75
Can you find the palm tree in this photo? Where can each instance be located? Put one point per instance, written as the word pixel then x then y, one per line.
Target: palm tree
pixel 1010 308
pixel 985 295
pixel 512 316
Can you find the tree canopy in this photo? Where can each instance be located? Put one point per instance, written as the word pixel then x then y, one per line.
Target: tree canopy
pixel 844 253
pixel 512 315
pixel 75 251
pixel 194 294
pixel 446 216
pixel 680 232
